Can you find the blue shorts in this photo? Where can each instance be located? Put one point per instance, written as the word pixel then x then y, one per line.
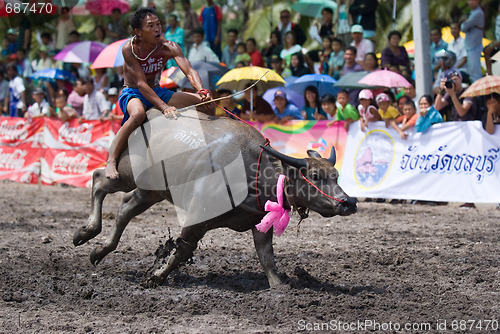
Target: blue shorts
pixel 130 93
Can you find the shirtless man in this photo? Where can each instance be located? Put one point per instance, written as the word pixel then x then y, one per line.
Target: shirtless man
pixel 145 56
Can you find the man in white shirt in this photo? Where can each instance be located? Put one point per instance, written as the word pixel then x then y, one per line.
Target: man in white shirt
pixel 15 104
pixel 95 105
pixel 40 107
pixel 362 45
pixel 458 48
pixel 201 51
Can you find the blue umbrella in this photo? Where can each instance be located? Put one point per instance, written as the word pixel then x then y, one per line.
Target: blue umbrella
pixel 324 83
pixel 53 74
pixel 291 96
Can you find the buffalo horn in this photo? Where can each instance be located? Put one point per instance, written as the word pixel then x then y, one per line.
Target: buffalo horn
pixel 294 162
pixel 333 156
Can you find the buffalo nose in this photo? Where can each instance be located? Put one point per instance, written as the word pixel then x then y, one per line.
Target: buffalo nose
pixel 351 201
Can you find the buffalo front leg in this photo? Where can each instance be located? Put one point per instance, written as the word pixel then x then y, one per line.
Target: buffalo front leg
pixel 132 205
pixel 264 247
pixel 184 248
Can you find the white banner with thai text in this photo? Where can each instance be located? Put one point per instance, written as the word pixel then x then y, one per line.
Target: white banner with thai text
pixel 452 162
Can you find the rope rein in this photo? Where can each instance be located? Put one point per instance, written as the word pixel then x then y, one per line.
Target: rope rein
pixel 321 192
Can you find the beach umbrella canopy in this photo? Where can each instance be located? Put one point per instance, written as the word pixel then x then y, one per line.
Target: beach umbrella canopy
pixel 324 83
pixel 210 73
pixel 351 80
pixel 80 52
pixel 313 7
pixel 483 86
pixel 385 78
pixel 105 7
pixel 238 78
pixel 53 74
pixel 291 96
pixel 110 56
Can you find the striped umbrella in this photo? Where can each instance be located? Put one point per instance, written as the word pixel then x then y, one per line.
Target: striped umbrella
pixel 111 56
pixel 80 52
pixel 484 86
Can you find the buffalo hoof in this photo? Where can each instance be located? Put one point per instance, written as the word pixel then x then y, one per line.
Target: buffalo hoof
pixel 82 235
pixel 96 257
pixel 154 281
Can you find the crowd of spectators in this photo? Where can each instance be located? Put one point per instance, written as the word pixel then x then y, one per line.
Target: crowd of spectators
pixel 345 44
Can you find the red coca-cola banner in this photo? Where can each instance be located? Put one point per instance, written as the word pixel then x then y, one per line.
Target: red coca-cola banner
pixel 58 152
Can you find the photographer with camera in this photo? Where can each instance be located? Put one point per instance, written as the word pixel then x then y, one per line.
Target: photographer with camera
pixel 462 109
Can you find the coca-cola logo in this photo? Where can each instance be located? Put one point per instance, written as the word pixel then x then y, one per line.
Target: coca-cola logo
pixel 14 131
pixel 13 160
pixel 76 165
pixel 81 134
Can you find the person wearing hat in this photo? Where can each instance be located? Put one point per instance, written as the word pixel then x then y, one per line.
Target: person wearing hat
pixel 462 109
pixel 447 60
pixel 116 113
pixel 362 45
pixel 367 111
pixel 364 12
pixel 40 108
pixel 386 111
pixel 285 111
pixel 11 42
pixel 43 60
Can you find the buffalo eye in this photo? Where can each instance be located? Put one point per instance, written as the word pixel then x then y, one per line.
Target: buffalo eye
pixel 315 177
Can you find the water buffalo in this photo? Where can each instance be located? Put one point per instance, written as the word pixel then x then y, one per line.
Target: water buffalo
pixel 311 183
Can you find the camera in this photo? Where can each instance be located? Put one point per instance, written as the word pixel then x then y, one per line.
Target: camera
pixel 449 83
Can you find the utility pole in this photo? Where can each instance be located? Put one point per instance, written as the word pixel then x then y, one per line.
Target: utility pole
pixel 421 37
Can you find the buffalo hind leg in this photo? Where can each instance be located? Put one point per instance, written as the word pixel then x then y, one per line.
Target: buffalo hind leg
pixel 264 247
pixel 101 186
pixel 185 246
pixel 132 205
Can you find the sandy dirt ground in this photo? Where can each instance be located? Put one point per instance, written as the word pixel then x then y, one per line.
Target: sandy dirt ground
pixel 409 267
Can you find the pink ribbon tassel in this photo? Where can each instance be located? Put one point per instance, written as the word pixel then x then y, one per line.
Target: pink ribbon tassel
pixel 277 216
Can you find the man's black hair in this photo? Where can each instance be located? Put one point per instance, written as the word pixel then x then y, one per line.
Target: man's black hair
pixel 328 98
pixel 328 10
pixel 199 30
pixel 234 31
pixel 139 15
pixel 76 33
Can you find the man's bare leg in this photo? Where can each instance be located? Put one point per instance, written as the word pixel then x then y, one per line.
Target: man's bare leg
pixel 137 114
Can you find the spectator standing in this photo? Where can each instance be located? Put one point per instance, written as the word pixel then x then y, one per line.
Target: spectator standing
pixel 457 46
pixel 447 59
pixel 63 110
pixel 290 47
pixel 284 111
pixel 256 58
pixel 261 112
pixel 101 80
pixel 46 40
pixel 23 64
pixel 322 56
pixel 325 29
pixel 64 27
pixel 4 91
pixel 211 20
pixel 462 109
pixel 492 117
pixel 273 48
pixel 345 111
pixel 11 46
pixel 16 101
pixel 336 61
pixel 76 97
pixel 497 24
pixel 43 61
pixel 24 36
pixel 191 22
pixel 363 12
pixel 287 25
pixel 473 28
pixel 386 111
pixel 116 30
pixel 437 44
pixel 169 10
pixel 394 54
pixel 100 35
pixel 406 121
pixel 175 34
pixel 362 45
pixel 116 113
pixel 200 50
pixel 428 114
pixel 342 22
pixel 367 111
pixel 312 109
pixel 229 52
pixel 40 108
pixel 95 105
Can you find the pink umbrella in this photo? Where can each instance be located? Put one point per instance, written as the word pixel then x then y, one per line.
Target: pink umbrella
pixel 80 52
pixel 105 7
pixel 385 78
pixel 111 56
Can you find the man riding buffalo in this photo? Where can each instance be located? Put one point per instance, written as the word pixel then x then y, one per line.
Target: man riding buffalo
pixel 145 56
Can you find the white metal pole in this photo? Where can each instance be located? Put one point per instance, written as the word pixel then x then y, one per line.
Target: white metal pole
pixel 421 37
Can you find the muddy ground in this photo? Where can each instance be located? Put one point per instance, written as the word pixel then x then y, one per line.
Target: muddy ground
pixel 390 264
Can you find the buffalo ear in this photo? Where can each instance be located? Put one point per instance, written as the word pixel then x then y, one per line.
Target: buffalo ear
pixel 333 156
pixel 294 162
pixel 313 154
